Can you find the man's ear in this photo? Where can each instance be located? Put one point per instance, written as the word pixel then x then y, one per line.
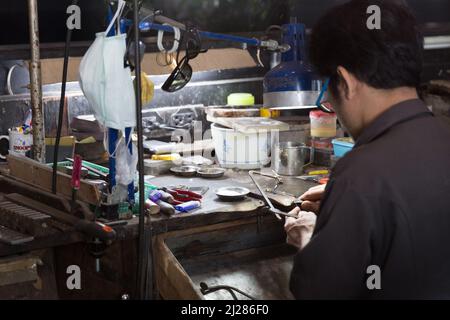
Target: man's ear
pixel 348 82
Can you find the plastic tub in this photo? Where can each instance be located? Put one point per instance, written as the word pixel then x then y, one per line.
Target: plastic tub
pixel 241 151
pixel 240 99
pixel 323 125
pixel 342 145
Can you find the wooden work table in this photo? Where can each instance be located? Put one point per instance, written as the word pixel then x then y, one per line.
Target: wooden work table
pixel 213 210
pixel 118 263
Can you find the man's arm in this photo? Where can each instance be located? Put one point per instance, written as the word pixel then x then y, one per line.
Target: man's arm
pixel 333 265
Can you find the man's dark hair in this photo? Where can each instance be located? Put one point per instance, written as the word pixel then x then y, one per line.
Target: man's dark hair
pixel 385 58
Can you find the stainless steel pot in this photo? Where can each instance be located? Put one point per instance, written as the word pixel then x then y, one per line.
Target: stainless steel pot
pixel 289 158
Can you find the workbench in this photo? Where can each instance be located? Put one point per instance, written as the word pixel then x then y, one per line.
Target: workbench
pixel 118 264
pixel 214 210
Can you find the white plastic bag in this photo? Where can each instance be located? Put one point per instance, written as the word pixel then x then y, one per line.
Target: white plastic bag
pixel 106 83
pixel 125 163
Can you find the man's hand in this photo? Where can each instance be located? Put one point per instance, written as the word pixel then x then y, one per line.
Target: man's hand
pixel 312 197
pixel 299 230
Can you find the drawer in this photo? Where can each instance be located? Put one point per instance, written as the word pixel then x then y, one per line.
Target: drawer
pixel 255 260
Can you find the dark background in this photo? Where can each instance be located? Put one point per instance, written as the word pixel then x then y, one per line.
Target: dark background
pixel 212 15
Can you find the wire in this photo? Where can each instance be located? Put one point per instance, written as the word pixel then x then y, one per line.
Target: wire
pixel 168 57
pixel 176 39
pixel 61 105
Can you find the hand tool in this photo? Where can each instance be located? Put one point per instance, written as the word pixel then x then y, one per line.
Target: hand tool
pixel 183 195
pixel 275 176
pixel 103 175
pixel 188 193
pixel 75 182
pixel 272 209
pixel 320 179
pixel 200 190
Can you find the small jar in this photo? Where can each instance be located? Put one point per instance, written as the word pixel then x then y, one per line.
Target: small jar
pixel 323 125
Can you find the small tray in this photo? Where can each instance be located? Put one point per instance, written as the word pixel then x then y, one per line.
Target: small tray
pixel 232 193
pixel 211 173
pixel 184 171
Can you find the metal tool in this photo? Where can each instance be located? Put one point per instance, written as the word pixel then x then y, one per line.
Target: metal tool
pixel 275 176
pixel 75 181
pixel 272 208
pixel 180 195
pixel 104 176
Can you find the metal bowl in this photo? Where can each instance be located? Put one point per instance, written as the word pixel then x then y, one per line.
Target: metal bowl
pixel 184 171
pixel 211 172
pixel 232 193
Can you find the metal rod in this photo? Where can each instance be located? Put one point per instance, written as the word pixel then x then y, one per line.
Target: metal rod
pixel 36 84
pixel 273 210
pixel 268 202
pixel 145 254
pixel 62 102
pixel 203 34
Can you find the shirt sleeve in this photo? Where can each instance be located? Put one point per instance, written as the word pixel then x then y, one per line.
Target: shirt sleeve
pixel 333 264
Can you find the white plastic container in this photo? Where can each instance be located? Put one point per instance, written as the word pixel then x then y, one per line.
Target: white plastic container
pixel 241 151
pixel 323 125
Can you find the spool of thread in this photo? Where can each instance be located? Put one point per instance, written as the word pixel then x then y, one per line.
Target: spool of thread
pixel 151 207
pixel 167 197
pixel 155 195
pixel 166 208
pixel 188 206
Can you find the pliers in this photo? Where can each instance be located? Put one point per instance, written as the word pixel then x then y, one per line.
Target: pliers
pixel 183 195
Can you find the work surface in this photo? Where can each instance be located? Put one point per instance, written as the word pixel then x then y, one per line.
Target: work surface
pixel 214 210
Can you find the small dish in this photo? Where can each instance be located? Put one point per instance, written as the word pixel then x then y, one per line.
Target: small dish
pixel 232 193
pixel 184 171
pixel 211 172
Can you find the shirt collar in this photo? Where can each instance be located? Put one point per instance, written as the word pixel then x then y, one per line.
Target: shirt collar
pixel 398 113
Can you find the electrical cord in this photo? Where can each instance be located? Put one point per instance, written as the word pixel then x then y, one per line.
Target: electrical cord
pixel 176 39
pixel 61 105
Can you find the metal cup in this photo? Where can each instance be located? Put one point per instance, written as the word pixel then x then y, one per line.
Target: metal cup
pixel 289 158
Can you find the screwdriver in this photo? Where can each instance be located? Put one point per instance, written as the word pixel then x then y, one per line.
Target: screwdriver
pixel 75 181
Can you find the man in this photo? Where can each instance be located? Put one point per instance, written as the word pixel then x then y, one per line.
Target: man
pixel 383 221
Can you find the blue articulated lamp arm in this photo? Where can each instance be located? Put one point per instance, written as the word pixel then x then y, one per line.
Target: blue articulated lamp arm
pixel 269 44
